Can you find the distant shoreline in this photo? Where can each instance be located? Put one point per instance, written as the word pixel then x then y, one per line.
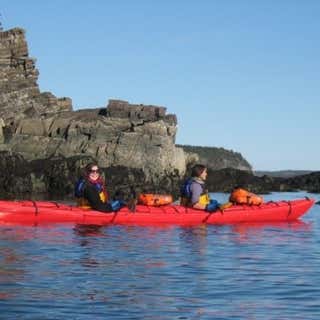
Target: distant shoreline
pixel 282 173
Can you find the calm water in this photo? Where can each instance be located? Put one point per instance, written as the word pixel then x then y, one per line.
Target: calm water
pixel 214 272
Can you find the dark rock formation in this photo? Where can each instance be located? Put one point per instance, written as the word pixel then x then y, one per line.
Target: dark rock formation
pixel 24 179
pixel 226 179
pixel 55 178
pixel 282 173
pixel 309 182
pixel 15 179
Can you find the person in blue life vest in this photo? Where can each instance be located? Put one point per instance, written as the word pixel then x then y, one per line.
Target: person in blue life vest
pixel 91 193
pixel 194 193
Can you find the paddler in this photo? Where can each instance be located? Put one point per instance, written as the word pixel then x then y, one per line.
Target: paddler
pixel 91 192
pixel 194 193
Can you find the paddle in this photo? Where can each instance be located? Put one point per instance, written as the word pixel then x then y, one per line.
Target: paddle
pixel 220 208
pixel 318 202
pixel 131 204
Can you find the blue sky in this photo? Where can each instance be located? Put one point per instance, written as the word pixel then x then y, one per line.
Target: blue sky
pixel 242 75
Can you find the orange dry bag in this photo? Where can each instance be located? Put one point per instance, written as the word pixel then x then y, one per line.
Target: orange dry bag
pixel 155 200
pixel 242 196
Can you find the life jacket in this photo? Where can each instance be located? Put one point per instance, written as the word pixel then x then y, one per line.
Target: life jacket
pixel 185 190
pixel 155 200
pixel 242 196
pixel 82 202
pixel 204 199
pixel 186 193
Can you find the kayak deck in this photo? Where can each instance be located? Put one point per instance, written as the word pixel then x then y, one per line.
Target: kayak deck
pixel 36 212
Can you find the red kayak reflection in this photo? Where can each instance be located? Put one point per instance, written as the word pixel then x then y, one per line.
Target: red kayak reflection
pixel 276 232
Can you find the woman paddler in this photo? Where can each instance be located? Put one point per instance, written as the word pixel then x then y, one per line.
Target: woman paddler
pixel 91 192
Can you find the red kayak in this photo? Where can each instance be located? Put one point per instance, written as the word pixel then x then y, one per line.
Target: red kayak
pixel 37 212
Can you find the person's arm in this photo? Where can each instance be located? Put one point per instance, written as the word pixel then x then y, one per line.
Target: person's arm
pixel 92 195
pixel 199 206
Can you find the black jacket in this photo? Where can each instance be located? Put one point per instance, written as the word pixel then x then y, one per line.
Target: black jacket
pixel 92 195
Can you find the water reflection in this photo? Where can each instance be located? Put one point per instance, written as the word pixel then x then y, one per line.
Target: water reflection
pixel 195 238
pixel 11 265
pixel 275 232
pixel 88 230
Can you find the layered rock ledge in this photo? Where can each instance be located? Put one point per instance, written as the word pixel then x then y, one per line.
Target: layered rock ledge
pixel 39 127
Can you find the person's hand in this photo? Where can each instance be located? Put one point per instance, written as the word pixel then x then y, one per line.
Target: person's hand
pixel 117 205
pixel 213 205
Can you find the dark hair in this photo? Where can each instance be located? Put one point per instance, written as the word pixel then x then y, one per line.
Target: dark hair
pixel 197 170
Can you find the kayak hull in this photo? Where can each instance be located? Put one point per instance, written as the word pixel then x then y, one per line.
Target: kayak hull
pixel 37 212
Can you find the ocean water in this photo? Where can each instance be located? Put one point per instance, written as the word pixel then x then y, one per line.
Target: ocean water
pixel 264 271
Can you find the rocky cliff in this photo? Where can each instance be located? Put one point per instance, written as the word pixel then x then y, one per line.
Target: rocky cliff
pixel 218 158
pixel 37 125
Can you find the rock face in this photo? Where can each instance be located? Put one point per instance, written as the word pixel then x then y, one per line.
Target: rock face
pixel 37 126
pixel 20 96
pixel 142 139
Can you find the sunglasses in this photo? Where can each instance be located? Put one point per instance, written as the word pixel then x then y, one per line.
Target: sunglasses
pixel 94 171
